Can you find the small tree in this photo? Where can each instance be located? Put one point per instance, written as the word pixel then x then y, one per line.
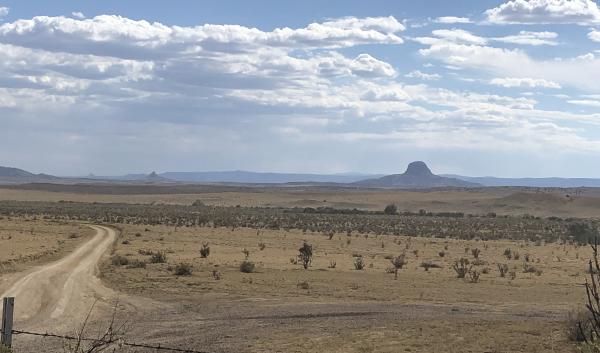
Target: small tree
pixel 390 209
pixel 158 257
pixel 590 330
pixel 305 255
pixel 398 262
pixel 475 252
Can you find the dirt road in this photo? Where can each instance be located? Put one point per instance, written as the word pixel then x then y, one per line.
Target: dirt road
pixel 64 291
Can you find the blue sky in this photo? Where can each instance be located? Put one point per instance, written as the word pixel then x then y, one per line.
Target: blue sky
pixel 505 88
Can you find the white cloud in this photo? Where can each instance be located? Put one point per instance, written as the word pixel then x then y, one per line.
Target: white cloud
pixel 458 36
pixel 545 12
pixel 451 35
pixel 594 35
pixel 510 82
pixel 4 11
pixel 452 19
pixel 123 37
pixel 530 38
pixel 500 62
pixel 367 66
pixel 461 36
pixel 586 102
pixel 78 14
pixel 423 76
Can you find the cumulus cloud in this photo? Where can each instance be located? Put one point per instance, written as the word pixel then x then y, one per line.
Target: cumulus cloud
pixel 530 38
pixel 545 12
pixel 594 35
pixel 4 11
pixel 123 37
pixel 78 14
pixel 452 19
pixel 510 82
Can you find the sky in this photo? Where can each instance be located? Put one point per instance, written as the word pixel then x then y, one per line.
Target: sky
pixel 502 88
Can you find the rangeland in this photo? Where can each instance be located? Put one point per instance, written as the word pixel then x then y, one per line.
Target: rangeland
pixel 348 299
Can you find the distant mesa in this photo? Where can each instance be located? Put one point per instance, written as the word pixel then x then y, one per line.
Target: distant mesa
pixel 417 175
pixel 418 168
pixel 154 177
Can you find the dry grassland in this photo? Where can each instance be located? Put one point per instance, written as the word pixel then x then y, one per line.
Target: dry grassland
pixel 29 241
pixel 421 311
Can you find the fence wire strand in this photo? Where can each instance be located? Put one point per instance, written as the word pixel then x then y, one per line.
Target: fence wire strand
pixel 122 343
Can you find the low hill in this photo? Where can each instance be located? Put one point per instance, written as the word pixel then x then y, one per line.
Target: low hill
pixel 532 182
pixel 10 175
pixel 417 175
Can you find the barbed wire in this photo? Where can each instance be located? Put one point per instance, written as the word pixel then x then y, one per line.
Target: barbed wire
pixel 123 343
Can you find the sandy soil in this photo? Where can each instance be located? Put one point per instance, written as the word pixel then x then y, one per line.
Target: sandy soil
pixel 27 242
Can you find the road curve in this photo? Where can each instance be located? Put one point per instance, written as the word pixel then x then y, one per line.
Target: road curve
pixel 64 291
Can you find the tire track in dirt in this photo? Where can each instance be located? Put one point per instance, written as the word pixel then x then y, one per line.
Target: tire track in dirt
pixel 64 291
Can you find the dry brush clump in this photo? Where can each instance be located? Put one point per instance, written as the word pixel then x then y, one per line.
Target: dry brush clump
pixel 204 250
pixel 426 265
pixel 158 257
pixel 462 267
pixel 182 269
pixel 359 263
pixel 503 269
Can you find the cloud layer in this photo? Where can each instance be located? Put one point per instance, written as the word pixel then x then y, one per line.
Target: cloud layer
pixel 113 94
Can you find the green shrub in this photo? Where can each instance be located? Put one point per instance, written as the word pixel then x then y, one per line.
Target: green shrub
pixel 183 269
pixel 247 266
pixel 390 209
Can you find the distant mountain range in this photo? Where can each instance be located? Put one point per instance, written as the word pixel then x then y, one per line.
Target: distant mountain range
pixel 417 175
pixel 531 182
pixel 244 177
pixel 20 176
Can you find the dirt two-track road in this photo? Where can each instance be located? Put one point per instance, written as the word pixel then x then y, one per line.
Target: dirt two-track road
pixel 61 293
